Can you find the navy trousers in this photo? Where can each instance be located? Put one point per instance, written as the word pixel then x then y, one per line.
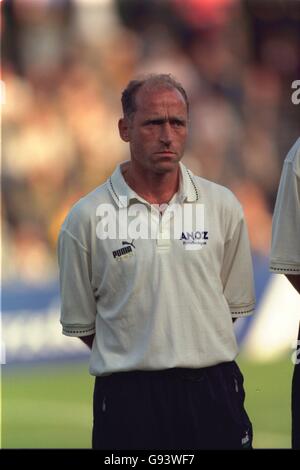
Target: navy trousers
pixel 172 409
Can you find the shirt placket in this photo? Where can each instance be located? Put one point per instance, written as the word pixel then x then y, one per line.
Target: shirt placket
pixel 163 241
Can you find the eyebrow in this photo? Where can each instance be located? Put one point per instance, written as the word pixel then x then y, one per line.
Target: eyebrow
pixel 161 120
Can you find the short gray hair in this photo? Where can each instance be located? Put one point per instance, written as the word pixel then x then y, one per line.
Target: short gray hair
pixel 154 81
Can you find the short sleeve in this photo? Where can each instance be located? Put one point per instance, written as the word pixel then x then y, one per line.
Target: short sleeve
pixel 285 251
pixel 237 272
pixel 78 305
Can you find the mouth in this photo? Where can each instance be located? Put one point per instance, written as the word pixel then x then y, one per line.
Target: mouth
pixel 166 153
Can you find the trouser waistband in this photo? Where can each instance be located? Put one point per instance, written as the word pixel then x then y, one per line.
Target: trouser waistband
pixel 179 372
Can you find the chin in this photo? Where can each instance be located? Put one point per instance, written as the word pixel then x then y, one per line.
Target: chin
pixel 166 165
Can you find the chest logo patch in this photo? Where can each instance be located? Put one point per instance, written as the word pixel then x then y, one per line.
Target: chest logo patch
pixel 125 252
pixel 197 237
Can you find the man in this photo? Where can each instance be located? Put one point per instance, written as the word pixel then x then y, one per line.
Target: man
pixel 285 254
pixel 157 311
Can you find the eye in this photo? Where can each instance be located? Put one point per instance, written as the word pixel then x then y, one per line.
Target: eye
pixel 177 123
pixel 152 123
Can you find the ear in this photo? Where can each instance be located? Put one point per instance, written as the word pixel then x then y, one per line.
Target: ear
pixel 124 129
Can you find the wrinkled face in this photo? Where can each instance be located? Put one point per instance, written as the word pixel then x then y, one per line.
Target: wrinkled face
pixel 157 131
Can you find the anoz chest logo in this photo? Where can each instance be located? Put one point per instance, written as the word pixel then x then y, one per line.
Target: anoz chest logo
pixel 194 238
pixel 125 252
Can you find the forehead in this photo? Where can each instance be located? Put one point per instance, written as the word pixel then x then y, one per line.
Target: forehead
pixel 157 100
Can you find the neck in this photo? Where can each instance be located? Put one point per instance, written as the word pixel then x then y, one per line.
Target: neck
pixel 156 188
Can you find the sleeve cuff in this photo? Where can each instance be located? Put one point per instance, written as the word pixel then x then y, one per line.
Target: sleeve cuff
pixel 78 330
pixel 284 268
pixel 242 310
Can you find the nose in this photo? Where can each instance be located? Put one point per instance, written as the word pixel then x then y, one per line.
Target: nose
pixel 166 134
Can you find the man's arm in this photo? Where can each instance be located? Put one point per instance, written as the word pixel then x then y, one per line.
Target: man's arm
pixel 88 340
pixel 78 303
pixel 295 281
pixel 237 266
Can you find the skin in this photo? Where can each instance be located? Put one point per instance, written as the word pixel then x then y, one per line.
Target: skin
pixel 156 134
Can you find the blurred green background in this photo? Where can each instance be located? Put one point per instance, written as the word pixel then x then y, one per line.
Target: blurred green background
pixel 51 406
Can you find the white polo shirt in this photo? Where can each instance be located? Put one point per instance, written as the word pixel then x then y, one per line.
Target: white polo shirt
pixel 156 303
pixel 285 252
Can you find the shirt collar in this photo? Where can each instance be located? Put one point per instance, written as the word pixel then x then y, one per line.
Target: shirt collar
pixel 123 195
pixel 188 187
